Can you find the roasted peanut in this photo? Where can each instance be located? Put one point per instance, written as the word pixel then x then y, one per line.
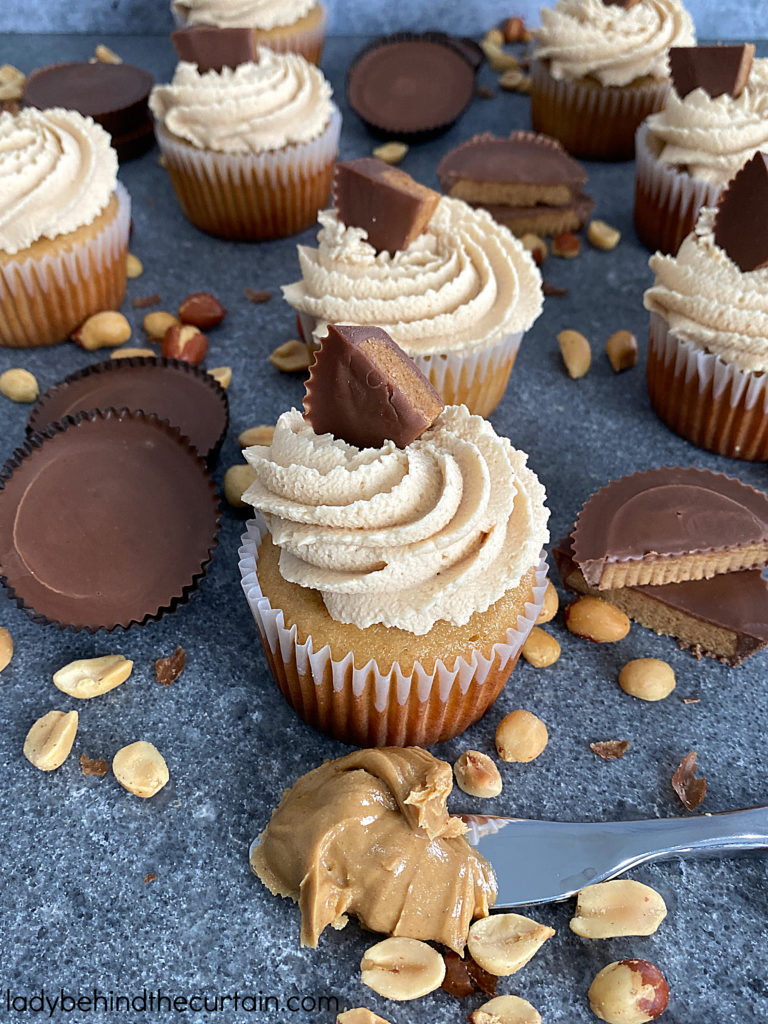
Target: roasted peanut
pixel 140 768
pixel 201 309
pixel 477 775
pixel 621 907
pixel 536 246
pixel 401 968
pixel 11 83
pixel 90 677
pixel 629 992
pixel 596 619
pixel 6 648
pixel 621 349
pixel 511 79
pixel 186 343
pixel 550 606
pixel 391 152
pixel 521 736
pixel 237 480
pixel 262 434
pixel 133 266
pixel 222 375
pixel 50 739
pixel 503 943
pixel 576 353
pixel 132 353
pixel 157 323
pixel 513 30
pixel 19 385
pixel 360 1015
pixel 566 245
pixel 602 235
pixel 101 330
pixel 506 1010
pixel 494 37
pixel 291 357
pixel 498 59
pixel 647 678
pixel 540 649
pixel 104 55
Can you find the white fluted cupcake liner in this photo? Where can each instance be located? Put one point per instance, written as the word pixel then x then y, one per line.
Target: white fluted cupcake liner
pixel 369 707
pixel 253 196
pixel 44 299
pixel 592 121
pixel 667 200
pixel 711 403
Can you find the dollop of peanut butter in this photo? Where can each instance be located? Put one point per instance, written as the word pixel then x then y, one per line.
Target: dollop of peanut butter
pixel 369 834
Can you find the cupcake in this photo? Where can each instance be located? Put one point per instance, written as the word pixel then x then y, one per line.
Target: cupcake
pixel 286 26
pixel 601 68
pixel 708 351
pixel 687 152
pixel 249 151
pixel 457 297
pixel 393 584
pixel 64 223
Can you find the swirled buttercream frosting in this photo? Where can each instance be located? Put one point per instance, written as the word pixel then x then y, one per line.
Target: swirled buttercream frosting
pixel 610 43
pixel 465 282
pixel 710 138
pixel 710 302
pixel 57 173
pixel 279 99
pixel 263 14
pixel 401 536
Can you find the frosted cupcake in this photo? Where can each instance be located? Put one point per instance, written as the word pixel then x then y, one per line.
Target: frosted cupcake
pixel 600 69
pixel 394 584
pixel 692 148
pixel 708 351
pixel 457 298
pixel 286 26
pixel 249 151
pixel 64 222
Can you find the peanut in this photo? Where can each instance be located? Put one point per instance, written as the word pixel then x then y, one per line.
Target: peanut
pixel 540 649
pixel 629 992
pixel 222 375
pixel 621 349
pixel 19 385
pixel 536 246
pixel 102 329
pixel 521 736
pixel 262 434
pixel 157 323
pixel 596 620
pixel 576 353
pixel 133 266
pixel 11 83
pixel 498 59
pixel 513 29
pixel 566 245
pixel 360 1015
pixel 621 907
pixel 550 605
pixel 90 677
pixel 647 679
pixel 506 1010
pixel 503 943
pixel 602 235
pixel 132 353
pixel 184 342
pixel 237 480
pixel 477 775
pixel 291 357
pixel 6 648
pixel 391 152
pixel 494 37
pixel 140 768
pixel 50 740
pixel 511 79
pixel 401 968
pixel 104 55
pixel 202 310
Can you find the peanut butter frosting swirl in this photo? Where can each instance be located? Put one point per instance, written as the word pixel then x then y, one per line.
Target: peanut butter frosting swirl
pixel 369 834
pixel 710 138
pixel 709 301
pixel 404 537
pixel 57 173
pixel 466 282
pixel 610 43
pixel 263 14
pixel 278 100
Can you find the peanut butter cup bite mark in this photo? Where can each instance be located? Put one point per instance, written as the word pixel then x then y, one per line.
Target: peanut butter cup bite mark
pixel 741 222
pixel 364 389
pixel 389 204
pixel 718 70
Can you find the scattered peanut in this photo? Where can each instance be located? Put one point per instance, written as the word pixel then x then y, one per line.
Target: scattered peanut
pixel 540 649
pixel 222 375
pixel 477 775
pixel 157 323
pixel 133 265
pixel 503 943
pixel 602 235
pixel 11 82
pixel 550 606
pixel 184 342
pixel 521 736
pixel 498 59
pixel 237 480
pixel 506 1010
pixel 50 740
pixel 360 1015
pixel 391 152
pixel 536 246
pixel 513 80
pixel 19 385
pixel 647 678
pixel 494 37
pixel 621 349
pixel 132 353
pixel 90 677
pixel 566 245
pixel 596 619
pixel 140 768
pixel 104 55
pixel 291 357
pixel 262 434
pixel 576 353
pixel 202 310
pixel 401 968
pixel 629 992
pixel 513 30
pixel 621 907
pixel 102 329
pixel 6 648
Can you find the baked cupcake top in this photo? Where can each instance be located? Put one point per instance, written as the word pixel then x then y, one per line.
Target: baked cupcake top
pixel 268 104
pixel 405 537
pixel 610 43
pixel 712 138
pixel 710 302
pixel 464 283
pixel 57 173
pixel 263 14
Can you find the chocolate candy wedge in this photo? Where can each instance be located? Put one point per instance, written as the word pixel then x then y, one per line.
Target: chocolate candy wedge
pixel 741 222
pixel 715 69
pixel 214 48
pixel 364 389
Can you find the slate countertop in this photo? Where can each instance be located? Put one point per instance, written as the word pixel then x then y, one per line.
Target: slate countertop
pixel 78 911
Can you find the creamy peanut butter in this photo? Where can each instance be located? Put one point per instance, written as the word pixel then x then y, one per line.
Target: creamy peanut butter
pixel 369 834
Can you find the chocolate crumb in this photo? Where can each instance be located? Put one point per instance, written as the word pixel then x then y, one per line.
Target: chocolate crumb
pixel 256 295
pixel 169 669
pixel 93 766
pixel 690 789
pixel 150 877
pixel 691 700
pixel 552 289
pixel 463 976
pixel 147 300
pixel 610 750
pixel 484 92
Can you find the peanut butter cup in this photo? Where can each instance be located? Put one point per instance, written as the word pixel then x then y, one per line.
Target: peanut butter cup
pixel 213 48
pixel 715 69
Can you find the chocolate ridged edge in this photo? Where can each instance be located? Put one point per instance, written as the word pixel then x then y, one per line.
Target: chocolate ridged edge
pixel 447 179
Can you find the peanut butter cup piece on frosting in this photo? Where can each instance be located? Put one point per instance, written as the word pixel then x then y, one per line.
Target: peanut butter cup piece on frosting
pixel 389 204
pixel 715 69
pixel 626 4
pixel 670 524
pixel 741 222
pixel 364 389
pixel 212 48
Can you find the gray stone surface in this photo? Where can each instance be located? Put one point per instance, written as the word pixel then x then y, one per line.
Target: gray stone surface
pixel 76 911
